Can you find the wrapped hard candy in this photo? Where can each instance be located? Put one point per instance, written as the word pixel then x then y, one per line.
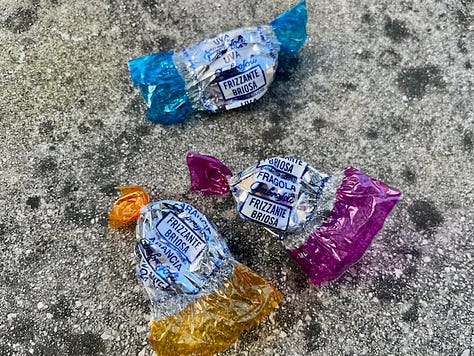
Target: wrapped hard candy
pixel 325 221
pixel 201 298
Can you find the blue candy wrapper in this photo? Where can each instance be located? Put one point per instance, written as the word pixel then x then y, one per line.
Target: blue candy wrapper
pixel 227 71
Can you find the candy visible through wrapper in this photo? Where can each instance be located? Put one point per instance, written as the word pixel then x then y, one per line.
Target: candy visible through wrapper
pixel 227 71
pixel 201 298
pixel 326 221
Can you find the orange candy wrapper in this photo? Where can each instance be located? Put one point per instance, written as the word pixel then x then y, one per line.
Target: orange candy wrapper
pixel 202 299
pixel 126 209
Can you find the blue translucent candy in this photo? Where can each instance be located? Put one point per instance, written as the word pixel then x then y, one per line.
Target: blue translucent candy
pixel 162 87
pixel 290 29
pixel 227 71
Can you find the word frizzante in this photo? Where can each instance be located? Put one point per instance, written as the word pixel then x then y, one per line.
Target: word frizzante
pixel 221 73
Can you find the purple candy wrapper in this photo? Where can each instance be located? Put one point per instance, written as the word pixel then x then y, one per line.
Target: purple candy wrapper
pixel 208 174
pixel 325 221
pixel 361 207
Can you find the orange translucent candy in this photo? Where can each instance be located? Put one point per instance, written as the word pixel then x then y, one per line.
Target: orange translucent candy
pixel 126 209
pixel 212 323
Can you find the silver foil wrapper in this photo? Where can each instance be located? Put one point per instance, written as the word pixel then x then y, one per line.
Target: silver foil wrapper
pixel 287 196
pixel 229 70
pixel 180 256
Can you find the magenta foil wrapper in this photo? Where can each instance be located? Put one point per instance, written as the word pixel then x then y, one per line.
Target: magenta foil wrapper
pixel 208 175
pixel 326 222
pixel 361 207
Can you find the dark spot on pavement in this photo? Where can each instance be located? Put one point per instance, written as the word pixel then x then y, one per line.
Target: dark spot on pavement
pixel 80 212
pixel 62 309
pixel 411 314
pixel 33 202
pixel 424 215
pixel 5 350
pixel 97 123
pixel 273 134
pixel 148 46
pixel 90 125
pixel 3 229
pixel 112 152
pixel 136 107
pixel 87 344
pixel 312 334
pixel 462 45
pixel 296 279
pixel 389 58
pixel 46 128
pixel 41 250
pixel 467 141
pixel 408 175
pixel 468 65
pixel 107 156
pixel 243 249
pixel 319 124
pixel 364 55
pixel 21 20
pixel 400 124
pixel 464 18
pixel 413 81
pixel 23 329
pixel 83 129
pixel 415 253
pixel 410 271
pixel 47 165
pixel 69 187
pixel 9 279
pixel 287 67
pixel 143 130
pixel 166 43
pixel 110 189
pixel 372 134
pixel 390 289
pixel 396 30
pixel 348 86
pixel 366 18
pixel 149 5
pixel 276 118
pixel 325 214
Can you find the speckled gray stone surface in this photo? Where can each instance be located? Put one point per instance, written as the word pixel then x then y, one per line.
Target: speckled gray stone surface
pixel 386 86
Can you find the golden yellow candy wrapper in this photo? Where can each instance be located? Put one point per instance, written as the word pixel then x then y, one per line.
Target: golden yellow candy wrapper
pixel 201 298
pixel 212 323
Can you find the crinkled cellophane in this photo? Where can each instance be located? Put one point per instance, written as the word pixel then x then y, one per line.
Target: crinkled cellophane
pixel 126 209
pixel 212 323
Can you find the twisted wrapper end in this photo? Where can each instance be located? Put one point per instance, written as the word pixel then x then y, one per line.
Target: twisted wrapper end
pixel 208 174
pixel 162 87
pixel 127 207
pixel 290 29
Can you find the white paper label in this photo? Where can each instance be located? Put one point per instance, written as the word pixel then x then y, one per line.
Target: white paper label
pixel 288 165
pixel 266 212
pixel 243 84
pixel 180 235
